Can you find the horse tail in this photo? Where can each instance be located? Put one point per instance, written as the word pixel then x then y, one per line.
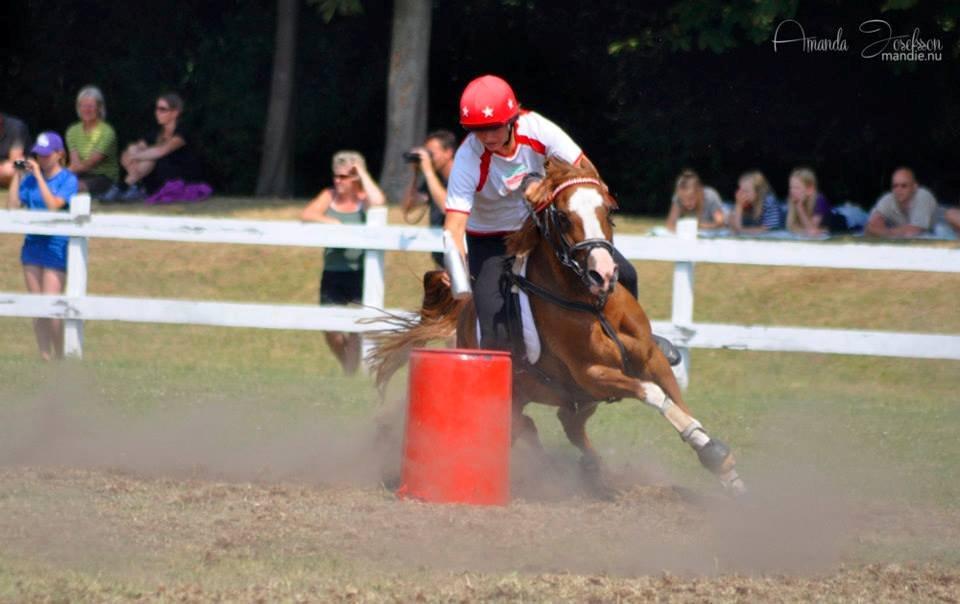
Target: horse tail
pixel 437 320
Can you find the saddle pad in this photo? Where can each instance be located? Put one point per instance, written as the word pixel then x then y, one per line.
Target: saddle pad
pixel 531 338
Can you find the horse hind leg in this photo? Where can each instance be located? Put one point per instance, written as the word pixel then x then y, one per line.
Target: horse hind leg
pixel 574 422
pixel 713 453
pixel 524 429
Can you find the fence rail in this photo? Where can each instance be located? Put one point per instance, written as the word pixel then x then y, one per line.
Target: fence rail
pixel 377 237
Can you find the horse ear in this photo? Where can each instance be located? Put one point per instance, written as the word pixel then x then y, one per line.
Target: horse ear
pixel 611 201
pixel 539 197
pixel 587 165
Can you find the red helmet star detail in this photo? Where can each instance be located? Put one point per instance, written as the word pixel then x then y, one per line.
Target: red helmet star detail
pixel 488 102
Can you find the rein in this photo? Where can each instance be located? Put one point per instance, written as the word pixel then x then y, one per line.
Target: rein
pixel 532 288
pixel 565 252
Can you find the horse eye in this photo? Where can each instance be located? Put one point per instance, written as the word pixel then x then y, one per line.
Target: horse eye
pixel 563 221
pixel 610 220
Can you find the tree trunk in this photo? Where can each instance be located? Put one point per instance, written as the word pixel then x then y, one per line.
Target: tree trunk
pixel 406 91
pixel 276 170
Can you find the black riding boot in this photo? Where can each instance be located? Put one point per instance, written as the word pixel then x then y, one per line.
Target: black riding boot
pixel 628 277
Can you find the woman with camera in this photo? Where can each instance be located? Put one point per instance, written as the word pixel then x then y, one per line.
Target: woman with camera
pixel 44 184
pixel 353 191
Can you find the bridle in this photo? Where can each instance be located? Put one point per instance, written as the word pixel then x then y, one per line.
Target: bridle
pixel 547 219
pixel 565 251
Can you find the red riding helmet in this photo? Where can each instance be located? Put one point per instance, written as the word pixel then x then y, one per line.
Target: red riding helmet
pixel 488 102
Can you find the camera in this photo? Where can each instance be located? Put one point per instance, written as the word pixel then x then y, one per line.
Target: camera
pixel 21 164
pixel 411 158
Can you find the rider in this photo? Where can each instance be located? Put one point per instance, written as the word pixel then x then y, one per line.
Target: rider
pixel 500 161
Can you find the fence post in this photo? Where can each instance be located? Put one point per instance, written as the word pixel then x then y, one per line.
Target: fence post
pixel 682 309
pixel 373 262
pixel 76 277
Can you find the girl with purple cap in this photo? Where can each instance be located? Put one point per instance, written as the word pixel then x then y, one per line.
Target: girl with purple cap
pixel 42 183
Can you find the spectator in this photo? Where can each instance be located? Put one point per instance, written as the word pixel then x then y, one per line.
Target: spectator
pixel 692 198
pixel 808 211
pixel 168 158
pixel 908 210
pixel 756 209
pixel 92 144
pixel 353 191
pixel 44 184
pixel 436 163
pixel 14 138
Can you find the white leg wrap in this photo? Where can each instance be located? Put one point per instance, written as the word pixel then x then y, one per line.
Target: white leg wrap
pixel 654 396
pixel 690 429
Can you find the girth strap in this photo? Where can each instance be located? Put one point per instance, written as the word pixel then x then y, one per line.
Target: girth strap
pixel 596 310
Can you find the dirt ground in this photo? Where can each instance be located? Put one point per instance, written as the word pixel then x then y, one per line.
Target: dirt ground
pixel 95 535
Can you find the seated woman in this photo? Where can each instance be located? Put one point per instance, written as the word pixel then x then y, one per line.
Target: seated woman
pixel 692 198
pixel 92 144
pixel 149 166
pixel 353 191
pixel 43 184
pixel 808 211
pixel 756 209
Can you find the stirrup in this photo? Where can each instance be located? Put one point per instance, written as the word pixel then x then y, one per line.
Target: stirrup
pixel 669 350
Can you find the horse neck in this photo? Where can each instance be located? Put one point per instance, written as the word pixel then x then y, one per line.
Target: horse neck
pixel 546 270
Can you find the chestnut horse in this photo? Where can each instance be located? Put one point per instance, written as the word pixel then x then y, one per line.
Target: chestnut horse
pixel 596 340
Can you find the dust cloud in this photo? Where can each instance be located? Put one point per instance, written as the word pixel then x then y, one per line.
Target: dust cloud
pixel 797 518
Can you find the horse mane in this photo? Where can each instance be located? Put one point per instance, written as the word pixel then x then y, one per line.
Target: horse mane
pixel 557 172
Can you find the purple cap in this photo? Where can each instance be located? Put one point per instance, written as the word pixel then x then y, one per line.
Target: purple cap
pixel 47 143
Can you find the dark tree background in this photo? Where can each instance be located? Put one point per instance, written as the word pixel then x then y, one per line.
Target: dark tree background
pixel 647 88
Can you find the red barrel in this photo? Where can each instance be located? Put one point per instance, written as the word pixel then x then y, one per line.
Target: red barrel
pixel 457 442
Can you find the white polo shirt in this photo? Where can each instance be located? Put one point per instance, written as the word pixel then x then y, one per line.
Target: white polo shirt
pixel 486 185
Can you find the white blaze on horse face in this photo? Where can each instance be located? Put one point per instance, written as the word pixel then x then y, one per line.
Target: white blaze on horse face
pixel 585 202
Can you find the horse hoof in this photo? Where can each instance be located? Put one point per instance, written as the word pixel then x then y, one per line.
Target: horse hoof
pixel 594 477
pixel 715 456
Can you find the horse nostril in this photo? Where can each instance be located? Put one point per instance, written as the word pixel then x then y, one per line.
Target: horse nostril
pixel 595 277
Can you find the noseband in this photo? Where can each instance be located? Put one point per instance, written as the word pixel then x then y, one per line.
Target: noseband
pixel 565 250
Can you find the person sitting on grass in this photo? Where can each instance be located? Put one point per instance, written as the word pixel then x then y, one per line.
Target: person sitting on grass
pixel 908 210
pixel 44 184
pixel 149 166
pixel 92 144
pixel 352 193
pixel 692 198
pixel 756 209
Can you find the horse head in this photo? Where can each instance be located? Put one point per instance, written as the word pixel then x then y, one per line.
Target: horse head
pixel 572 210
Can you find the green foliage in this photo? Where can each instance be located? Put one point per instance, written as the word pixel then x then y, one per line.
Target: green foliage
pixel 645 87
pixel 330 8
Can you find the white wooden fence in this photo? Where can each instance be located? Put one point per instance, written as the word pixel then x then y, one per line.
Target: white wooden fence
pixel 76 306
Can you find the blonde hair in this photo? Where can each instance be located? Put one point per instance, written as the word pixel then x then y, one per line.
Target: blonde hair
pixel 92 92
pixel 809 179
pixel 346 158
pixel 761 187
pixel 689 178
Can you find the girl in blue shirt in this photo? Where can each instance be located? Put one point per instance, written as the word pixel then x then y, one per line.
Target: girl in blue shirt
pixel 44 184
pixel 756 209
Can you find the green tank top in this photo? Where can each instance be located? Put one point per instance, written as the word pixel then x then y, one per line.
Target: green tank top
pixel 339 259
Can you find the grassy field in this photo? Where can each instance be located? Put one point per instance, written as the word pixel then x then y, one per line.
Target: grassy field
pixel 141 470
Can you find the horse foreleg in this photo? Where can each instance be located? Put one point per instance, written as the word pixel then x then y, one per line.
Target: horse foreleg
pixel 663 394
pixel 712 453
pixel 574 422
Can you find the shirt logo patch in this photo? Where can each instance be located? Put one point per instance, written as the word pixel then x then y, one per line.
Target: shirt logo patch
pixel 512 181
